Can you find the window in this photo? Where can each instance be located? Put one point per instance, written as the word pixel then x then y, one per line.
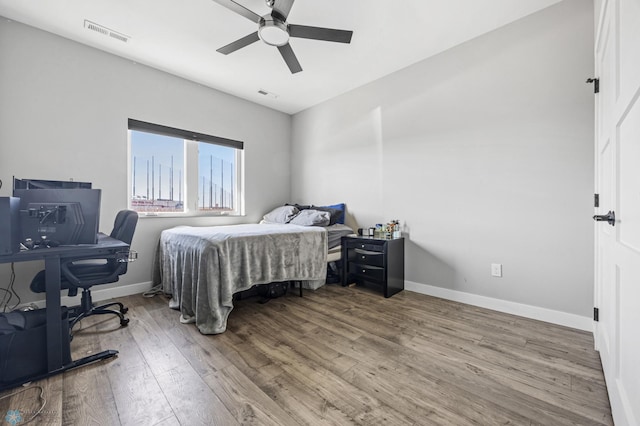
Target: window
pixel 178 171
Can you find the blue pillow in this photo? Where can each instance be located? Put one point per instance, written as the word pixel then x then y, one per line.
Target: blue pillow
pixel 337 212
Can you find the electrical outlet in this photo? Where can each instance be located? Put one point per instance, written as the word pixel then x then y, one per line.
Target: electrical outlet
pixel 496 269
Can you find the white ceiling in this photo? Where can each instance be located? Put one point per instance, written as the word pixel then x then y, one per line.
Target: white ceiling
pixel 181 37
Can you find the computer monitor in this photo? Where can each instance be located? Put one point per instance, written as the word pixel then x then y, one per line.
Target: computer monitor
pixel 61 215
pixel 48 184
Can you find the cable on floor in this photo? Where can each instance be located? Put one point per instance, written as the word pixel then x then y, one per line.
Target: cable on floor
pixel 154 290
pixel 17 413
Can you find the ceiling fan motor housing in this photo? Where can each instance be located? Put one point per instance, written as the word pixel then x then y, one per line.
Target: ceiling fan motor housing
pixel 273 31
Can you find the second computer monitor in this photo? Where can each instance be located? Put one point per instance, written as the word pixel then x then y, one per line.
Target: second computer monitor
pixel 63 216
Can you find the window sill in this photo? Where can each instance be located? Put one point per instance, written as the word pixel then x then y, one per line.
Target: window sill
pixel 148 215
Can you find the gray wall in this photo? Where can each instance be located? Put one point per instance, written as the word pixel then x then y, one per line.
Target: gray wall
pixel 63 114
pixel 484 153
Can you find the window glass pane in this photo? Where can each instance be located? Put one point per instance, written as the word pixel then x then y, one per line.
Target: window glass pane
pixel 179 171
pixel 157 172
pixel 217 180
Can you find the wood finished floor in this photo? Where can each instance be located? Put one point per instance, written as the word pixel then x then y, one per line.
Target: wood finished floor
pixel 336 356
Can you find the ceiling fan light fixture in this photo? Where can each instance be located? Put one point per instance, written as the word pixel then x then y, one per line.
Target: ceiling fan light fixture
pixel 273 32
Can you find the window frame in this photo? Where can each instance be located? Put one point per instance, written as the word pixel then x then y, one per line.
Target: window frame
pixel 190 166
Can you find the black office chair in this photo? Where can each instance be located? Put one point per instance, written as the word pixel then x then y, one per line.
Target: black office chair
pixel 85 272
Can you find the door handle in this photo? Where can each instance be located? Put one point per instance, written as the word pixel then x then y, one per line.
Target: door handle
pixel 609 217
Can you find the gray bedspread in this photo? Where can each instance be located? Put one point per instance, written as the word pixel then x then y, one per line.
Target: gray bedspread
pixel 202 267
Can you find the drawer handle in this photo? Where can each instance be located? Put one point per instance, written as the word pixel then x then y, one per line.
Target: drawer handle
pixel 364 270
pixel 368 252
pixel 362 246
pixel 364 257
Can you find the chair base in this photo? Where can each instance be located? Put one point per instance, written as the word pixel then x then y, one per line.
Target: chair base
pixel 86 308
pixel 110 353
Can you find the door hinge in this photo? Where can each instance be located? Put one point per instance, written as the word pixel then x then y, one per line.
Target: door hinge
pixel 596 84
pixel 596 200
pixel 596 314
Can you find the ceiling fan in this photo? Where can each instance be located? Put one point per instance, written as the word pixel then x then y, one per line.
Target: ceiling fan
pixel 274 30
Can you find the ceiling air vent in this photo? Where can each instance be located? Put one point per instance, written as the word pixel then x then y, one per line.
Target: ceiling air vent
pixel 267 94
pixel 105 31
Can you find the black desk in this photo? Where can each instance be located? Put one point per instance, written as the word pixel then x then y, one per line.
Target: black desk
pixel 52 258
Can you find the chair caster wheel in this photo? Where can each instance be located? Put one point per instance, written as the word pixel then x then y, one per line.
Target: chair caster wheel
pixel 124 310
pixel 124 322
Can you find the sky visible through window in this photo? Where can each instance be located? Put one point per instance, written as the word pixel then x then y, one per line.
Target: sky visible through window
pixel 158 174
pixel 216 177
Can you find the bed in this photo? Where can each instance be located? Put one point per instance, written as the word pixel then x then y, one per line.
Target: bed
pixel 202 267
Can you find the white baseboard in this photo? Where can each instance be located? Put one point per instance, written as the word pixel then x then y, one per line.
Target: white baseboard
pixel 98 294
pixel 514 308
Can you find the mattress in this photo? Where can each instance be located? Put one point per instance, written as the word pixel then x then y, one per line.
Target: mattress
pixel 202 267
pixel 335 234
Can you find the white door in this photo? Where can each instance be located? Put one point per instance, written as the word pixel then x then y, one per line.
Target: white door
pixel 617 251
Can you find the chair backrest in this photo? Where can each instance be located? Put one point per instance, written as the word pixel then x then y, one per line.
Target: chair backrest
pixel 124 226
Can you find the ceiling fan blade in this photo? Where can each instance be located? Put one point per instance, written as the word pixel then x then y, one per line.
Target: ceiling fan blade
pixel 239 9
pixel 290 58
pixel 318 33
pixel 282 8
pixel 239 44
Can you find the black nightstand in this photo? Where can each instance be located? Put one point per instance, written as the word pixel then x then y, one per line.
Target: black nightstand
pixel 373 262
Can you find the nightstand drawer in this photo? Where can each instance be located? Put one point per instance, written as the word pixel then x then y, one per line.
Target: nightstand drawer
pixel 366 271
pixel 365 257
pixel 366 245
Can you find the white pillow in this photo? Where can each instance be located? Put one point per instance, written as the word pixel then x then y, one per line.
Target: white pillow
pixel 310 217
pixel 281 214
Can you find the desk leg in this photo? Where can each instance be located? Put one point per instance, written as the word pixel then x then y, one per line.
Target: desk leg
pixel 54 313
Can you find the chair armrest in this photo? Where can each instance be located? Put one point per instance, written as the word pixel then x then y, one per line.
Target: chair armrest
pixel 83 275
